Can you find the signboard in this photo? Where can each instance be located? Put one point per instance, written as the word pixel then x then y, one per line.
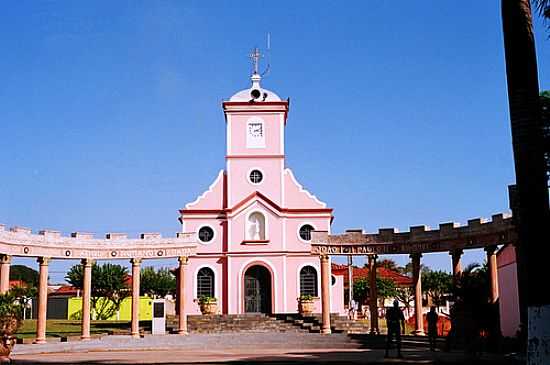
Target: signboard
pixel 159 317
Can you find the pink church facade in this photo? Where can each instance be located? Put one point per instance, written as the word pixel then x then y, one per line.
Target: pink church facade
pixel 253 223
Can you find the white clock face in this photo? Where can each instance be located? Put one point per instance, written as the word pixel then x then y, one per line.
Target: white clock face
pixel 256 130
pixel 255 134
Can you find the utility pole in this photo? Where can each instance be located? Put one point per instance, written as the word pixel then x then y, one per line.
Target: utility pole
pixel 350 280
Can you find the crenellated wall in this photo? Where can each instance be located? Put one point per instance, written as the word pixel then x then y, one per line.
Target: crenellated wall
pixel 21 241
pixel 450 236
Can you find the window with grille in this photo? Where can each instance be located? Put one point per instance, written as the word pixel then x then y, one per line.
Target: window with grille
pixel 305 232
pixel 256 176
pixel 308 281
pixel 206 234
pixel 205 283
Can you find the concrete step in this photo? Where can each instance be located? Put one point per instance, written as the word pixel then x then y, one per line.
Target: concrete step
pixel 235 323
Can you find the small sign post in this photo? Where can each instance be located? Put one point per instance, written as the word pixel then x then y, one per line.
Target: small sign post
pixel 159 317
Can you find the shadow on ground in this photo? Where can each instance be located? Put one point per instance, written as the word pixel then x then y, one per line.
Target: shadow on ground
pixel 307 357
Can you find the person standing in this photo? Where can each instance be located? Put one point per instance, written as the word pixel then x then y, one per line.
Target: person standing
pixel 432 318
pixel 352 308
pixel 395 321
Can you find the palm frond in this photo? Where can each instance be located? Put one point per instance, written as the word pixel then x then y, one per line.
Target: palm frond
pixel 543 8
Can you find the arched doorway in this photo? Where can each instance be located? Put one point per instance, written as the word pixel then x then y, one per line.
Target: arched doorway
pixel 257 290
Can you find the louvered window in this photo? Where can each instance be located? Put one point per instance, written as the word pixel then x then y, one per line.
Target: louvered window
pixel 205 283
pixel 308 281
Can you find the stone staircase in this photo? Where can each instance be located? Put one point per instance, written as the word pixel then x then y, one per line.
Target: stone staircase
pixel 259 322
pixel 253 322
pixel 312 323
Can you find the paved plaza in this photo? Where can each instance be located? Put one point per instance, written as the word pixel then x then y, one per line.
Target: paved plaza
pixel 241 348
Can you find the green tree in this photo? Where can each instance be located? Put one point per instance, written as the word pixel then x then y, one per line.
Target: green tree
pixel 388 264
pixel 157 283
pixel 360 290
pixel 108 287
pixel 405 295
pixel 437 284
pixel 24 273
pixel 472 311
pixel 408 269
pixel 385 288
pixel 10 313
pixel 24 295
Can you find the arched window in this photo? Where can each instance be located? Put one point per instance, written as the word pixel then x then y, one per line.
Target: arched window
pixel 255 227
pixel 308 281
pixel 205 282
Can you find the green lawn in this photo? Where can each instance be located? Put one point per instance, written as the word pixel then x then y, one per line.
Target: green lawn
pixel 61 328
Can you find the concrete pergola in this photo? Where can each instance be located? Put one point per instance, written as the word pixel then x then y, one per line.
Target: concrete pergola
pixel 48 245
pixel 450 237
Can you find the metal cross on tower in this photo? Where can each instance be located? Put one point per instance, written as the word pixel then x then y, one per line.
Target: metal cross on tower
pixel 255 56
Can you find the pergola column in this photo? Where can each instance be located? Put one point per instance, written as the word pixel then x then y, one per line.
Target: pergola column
pixel 493 272
pixel 373 295
pixel 182 325
pixel 417 282
pixel 42 300
pixel 86 294
pixel 457 267
pixel 5 261
pixel 136 272
pixel 325 294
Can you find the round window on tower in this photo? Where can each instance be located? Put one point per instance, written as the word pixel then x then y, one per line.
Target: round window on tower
pixel 305 232
pixel 206 234
pixel 256 176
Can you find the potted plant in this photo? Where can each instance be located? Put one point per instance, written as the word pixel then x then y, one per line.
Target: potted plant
pixel 208 305
pixel 306 304
pixel 10 320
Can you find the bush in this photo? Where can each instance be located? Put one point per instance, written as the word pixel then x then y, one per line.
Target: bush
pixel 204 299
pixel 10 314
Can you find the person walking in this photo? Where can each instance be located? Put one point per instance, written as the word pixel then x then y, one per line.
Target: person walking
pixel 395 321
pixel 432 318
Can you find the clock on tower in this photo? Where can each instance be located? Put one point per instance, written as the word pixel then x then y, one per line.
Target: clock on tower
pixel 255 136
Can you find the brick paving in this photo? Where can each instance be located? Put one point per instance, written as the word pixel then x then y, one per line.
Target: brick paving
pixel 242 348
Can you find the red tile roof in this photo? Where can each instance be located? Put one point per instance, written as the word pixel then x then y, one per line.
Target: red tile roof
pixel 363 272
pixel 70 290
pixel 66 290
pixel 17 283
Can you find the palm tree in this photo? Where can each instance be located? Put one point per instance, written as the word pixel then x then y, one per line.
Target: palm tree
pixel 532 210
pixel 543 8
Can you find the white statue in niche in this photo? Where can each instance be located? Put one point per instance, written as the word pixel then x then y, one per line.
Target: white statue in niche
pixel 255 227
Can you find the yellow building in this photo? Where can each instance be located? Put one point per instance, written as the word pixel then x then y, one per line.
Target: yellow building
pixel 124 314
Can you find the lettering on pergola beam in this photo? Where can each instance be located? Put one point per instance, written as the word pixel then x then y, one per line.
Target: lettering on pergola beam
pixel 450 236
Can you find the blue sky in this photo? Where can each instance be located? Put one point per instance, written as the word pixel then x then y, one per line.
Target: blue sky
pixel 110 113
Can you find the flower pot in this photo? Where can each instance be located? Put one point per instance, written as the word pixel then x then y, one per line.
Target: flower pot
pixel 8 326
pixel 6 345
pixel 306 306
pixel 209 308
